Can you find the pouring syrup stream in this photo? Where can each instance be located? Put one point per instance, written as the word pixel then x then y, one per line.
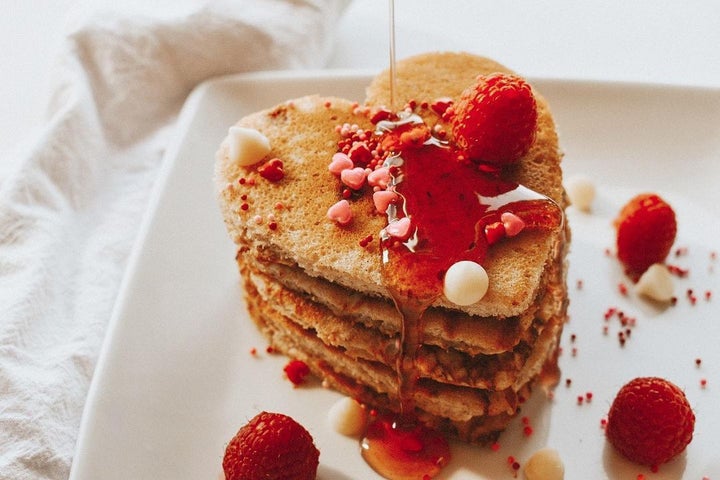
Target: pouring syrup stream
pixel 398 446
pixel 391 22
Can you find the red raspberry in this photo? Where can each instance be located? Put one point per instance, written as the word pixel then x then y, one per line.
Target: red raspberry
pixel 496 119
pixel 272 446
pixel 650 421
pixel 646 229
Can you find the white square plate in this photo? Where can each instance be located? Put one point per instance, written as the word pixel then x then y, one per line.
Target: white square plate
pixel 176 378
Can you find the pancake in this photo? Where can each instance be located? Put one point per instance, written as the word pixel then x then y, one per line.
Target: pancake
pixel 316 289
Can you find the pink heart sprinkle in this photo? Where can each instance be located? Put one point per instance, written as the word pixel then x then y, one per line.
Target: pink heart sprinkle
pixel 513 224
pixel 353 177
pixel 340 162
pixel 340 212
pixel 379 178
pixel 399 228
pixel 383 198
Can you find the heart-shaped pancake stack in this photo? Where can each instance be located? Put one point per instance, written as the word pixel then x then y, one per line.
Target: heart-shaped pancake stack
pixel 317 288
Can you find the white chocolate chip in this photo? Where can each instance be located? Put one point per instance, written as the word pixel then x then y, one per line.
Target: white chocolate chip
pixel 581 191
pixel 247 146
pixel 466 283
pixel 545 464
pixel 656 283
pixel 348 417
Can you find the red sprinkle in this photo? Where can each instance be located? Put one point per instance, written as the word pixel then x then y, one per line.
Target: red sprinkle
pixel 678 271
pixel 366 241
pixel 441 105
pixel 272 170
pixel 296 371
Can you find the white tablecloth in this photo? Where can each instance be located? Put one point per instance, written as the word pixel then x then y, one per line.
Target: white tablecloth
pixel 69 213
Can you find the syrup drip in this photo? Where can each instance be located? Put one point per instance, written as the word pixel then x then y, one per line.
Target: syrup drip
pixel 449 203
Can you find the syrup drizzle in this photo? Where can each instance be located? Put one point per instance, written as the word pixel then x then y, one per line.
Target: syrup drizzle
pixel 449 204
pixel 392 54
pixel 447 225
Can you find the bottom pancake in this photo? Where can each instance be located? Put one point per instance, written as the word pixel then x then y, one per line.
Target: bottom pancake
pixel 469 413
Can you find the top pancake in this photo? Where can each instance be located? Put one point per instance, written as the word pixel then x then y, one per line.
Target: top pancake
pixel 302 134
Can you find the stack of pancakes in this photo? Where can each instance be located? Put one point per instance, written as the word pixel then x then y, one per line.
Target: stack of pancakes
pixel 316 290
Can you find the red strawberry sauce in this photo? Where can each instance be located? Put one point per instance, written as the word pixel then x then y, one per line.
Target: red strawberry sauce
pixel 455 208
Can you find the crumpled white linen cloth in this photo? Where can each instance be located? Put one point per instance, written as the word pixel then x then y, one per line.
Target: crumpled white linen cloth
pixel 69 214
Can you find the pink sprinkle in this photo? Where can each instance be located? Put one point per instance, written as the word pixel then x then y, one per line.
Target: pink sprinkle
pixel 382 199
pixel 513 224
pixel 399 228
pixel 340 212
pixel 379 177
pixel 340 162
pixel 353 177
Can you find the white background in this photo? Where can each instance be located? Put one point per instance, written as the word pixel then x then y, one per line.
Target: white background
pixel 643 40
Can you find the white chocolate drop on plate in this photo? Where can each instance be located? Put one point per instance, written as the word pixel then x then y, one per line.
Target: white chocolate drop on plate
pixel 347 417
pixel 656 283
pixel 545 464
pixel 581 191
pixel 466 283
pixel 247 146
